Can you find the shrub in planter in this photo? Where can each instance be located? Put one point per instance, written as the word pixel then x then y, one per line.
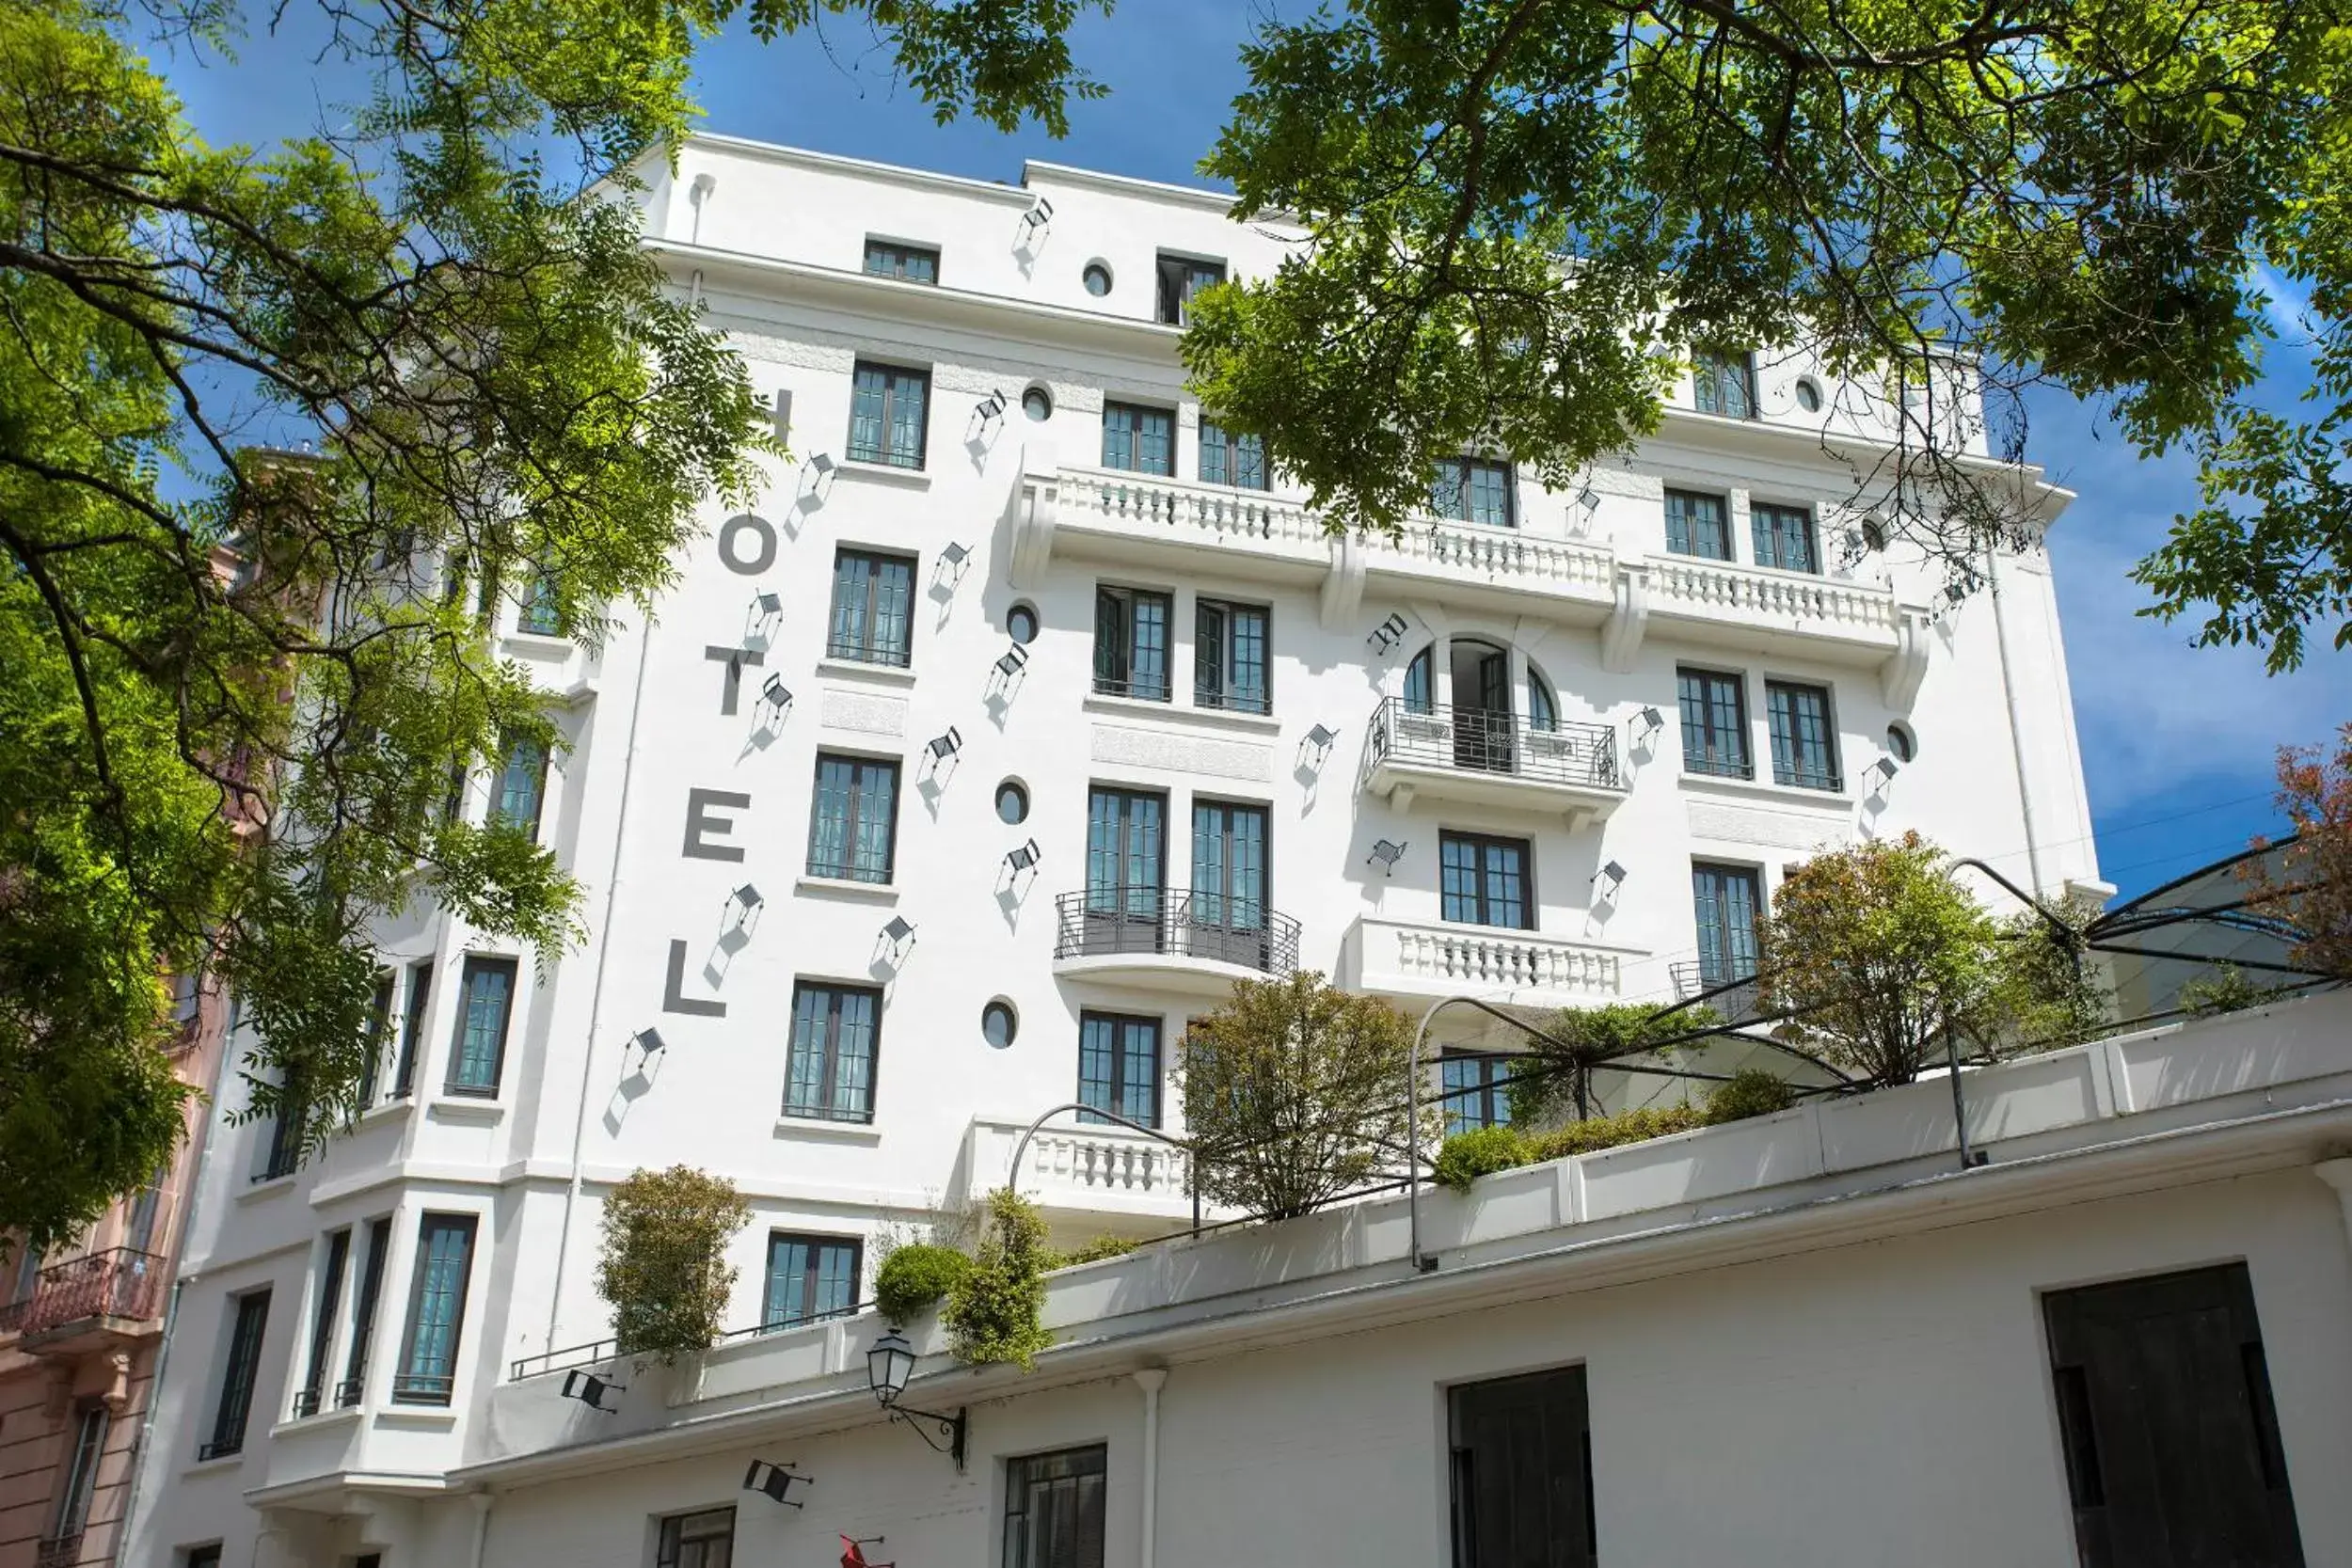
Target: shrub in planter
pixel 915 1278
pixel 1749 1092
pixel 1480 1151
pixel 1598 1133
pixel 1092 1252
pixel 664 1266
pixel 996 1311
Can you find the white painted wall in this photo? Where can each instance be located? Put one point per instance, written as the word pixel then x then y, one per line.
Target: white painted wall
pixel 643 716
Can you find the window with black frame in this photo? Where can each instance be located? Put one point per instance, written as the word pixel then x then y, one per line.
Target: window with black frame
pixel 1138 439
pixel 1714 710
pixel 1723 381
pixel 1131 627
pixel 809 1277
pixel 1053 1508
pixel 1119 1067
pixel 1727 900
pixel 64 1541
pixel 1228 457
pixel 1475 1090
pixel 477 1058
pixel 1805 735
pixel 873 596
pixel 1520 1458
pixel 1228 657
pixel 908 263
pixel 436 1310
pixel 829 1068
pixel 853 820
pixel 1485 880
pixel 699 1540
pixel 889 415
pixel 1473 490
pixel 1783 536
pixel 241 1364
pixel 1697 524
pixel 521 785
pixel 1180 278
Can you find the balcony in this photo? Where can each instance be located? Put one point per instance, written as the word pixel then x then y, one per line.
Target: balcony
pixel 1759 609
pixel 1475 756
pixel 84 1303
pixel 1091 1175
pixel 1495 568
pixel 1170 939
pixel 1111 514
pixel 1412 961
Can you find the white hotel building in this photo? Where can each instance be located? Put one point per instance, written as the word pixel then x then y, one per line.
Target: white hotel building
pixel 1014 722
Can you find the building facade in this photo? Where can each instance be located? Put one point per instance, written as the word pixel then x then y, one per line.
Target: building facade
pixel 1019 718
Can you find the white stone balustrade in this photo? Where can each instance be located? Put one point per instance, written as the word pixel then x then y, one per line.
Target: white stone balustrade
pixel 1688 589
pixel 1097 1170
pixel 1434 959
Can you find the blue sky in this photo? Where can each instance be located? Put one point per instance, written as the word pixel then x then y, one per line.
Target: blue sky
pixel 2177 742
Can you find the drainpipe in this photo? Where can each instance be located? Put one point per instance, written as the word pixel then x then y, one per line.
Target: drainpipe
pixel 596 997
pixel 481 1501
pixel 1150 1379
pixel 2016 730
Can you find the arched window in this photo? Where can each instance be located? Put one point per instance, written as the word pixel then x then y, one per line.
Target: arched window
pixel 1419 693
pixel 1543 712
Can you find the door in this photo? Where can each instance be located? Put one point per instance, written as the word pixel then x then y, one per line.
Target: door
pixel 1482 729
pixel 1126 871
pixel 1226 912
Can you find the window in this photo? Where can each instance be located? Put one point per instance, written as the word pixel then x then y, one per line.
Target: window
pixel 1119 1067
pixel 829 1071
pixel 1000 1024
pixel 854 827
pixel 1901 743
pixel 412 1028
pixel 1021 624
pixel 521 785
pixel 201 1557
pixel 1475 1090
pixel 478 1055
pixel 1714 722
pixel 887 409
pixel 81 1479
pixel 138 1229
pixel 1809 394
pixel 1724 382
pixel 1695 525
pixel 1473 490
pixel 1012 803
pixel 1225 918
pixel 436 1310
pixel 1521 1463
pixel 539 615
pixel 1130 643
pixel 1053 1510
pixel 379 1035
pixel 1228 657
pixel 705 1539
pixel 1784 537
pixel 323 1313
pixel 1727 898
pixel 1181 278
pixel 1097 279
pixel 1484 881
pixel 871 594
pixel 1227 458
pixel 238 1368
pixel 1543 709
pixel 363 1306
pixel 1126 885
pixel 1142 441
pixel 1804 739
pixel 282 1154
pixel 914 263
pixel 27 1272
pixel 2165 1417
pixel 809 1277
pixel 1038 404
pixel 1419 695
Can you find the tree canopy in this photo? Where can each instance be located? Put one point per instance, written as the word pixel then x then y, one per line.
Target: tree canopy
pixel 1524 215
pixel 236 685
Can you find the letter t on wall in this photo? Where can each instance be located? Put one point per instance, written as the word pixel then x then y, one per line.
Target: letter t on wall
pixel 734 658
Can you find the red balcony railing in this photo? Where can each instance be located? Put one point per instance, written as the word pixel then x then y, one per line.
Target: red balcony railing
pixel 121 1283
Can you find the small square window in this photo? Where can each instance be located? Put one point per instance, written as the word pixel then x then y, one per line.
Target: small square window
pixel 911 264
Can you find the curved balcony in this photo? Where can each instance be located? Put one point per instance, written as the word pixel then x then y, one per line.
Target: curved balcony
pixel 1485 758
pixel 1170 939
pixel 83 1300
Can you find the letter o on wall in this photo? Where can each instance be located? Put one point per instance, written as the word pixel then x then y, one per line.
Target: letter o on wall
pixel 729 547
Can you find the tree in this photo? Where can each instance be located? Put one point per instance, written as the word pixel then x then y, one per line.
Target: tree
pixel 664 1265
pixel 1874 954
pixel 1557 1080
pixel 1295 1093
pixel 995 1309
pixel 237 684
pixel 2311 883
pixel 1524 217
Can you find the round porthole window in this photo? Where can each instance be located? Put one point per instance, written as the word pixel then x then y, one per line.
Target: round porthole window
pixel 1021 622
pixel 1012 803
pixel 1874 533
pixel 1098 279
pixel 1038 404
pixel 999 1023
pixel 1901 743
pixel 1809 394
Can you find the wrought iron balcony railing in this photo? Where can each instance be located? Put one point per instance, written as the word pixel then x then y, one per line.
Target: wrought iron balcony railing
pixel 1181 922
pixel 121 1283
pixel 1482 740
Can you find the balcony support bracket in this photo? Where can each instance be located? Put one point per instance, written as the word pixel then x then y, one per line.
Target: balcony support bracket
pixel 1628 618
pixel 1907 666
pixel 1342 592
pixel 1033 503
